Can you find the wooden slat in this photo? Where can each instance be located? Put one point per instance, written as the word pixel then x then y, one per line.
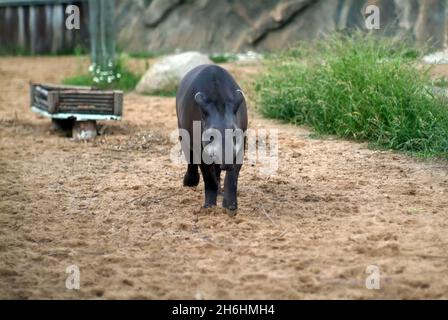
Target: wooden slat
pixel 53 101
pixel 40 95
pixel 86 101
pixel 83 110
pixel 41 91
pixel 88 92
pixel 90 111
pixel 63 87
pixel 118 103
pixel 41 101
pixel 87 95
pixel 86 106
pixel 102 112
pixel 32 85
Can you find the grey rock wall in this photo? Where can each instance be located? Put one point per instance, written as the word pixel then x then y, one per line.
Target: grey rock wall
pixel 232 25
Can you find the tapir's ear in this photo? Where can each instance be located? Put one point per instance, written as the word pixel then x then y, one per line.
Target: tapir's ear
pixel 239 98
pixel 200 99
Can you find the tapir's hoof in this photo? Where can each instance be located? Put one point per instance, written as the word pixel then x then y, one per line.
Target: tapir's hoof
pixel 231 209
pixel 191 180
pixel 231 213
pixel 209 205
pixel 230 206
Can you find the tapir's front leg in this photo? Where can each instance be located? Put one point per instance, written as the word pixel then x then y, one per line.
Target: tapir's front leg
pixel 191 177
pixel 230 190
pixel 218 178
pixel 211 184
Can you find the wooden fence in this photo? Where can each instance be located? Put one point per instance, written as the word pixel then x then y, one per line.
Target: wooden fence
pixel 38 27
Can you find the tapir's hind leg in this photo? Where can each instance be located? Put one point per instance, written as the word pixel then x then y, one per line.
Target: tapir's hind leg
pixel 191 178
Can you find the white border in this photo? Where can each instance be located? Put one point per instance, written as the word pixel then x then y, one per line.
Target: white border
pixel 77 116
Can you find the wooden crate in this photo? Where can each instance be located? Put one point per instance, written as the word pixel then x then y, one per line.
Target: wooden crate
pixel 73 102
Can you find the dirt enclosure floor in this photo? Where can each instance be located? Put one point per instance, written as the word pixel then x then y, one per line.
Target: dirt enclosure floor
pixel 116 208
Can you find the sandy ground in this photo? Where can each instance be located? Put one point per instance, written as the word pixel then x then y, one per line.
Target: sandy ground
pixel 116 208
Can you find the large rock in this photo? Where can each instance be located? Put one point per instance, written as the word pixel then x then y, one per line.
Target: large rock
pixel 166 74
pixel 439 57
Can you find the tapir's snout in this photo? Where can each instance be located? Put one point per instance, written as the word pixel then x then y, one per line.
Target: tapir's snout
pixel 221 147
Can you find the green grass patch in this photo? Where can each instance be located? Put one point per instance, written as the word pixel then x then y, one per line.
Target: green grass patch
pixel 145 54
pixel 359 87
pixel 127 80
pixel 222 57
pixel 161 93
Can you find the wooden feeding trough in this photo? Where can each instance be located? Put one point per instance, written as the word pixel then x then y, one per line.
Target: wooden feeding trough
pixel 76 107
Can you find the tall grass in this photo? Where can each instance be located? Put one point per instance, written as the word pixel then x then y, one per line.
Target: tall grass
pixel 359 87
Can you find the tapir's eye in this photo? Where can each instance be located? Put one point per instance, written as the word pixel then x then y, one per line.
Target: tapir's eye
pixel 202 102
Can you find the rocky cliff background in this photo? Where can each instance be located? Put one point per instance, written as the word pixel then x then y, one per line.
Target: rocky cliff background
pixel 232 25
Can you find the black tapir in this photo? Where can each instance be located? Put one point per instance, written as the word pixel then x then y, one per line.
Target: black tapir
pixel 210 105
